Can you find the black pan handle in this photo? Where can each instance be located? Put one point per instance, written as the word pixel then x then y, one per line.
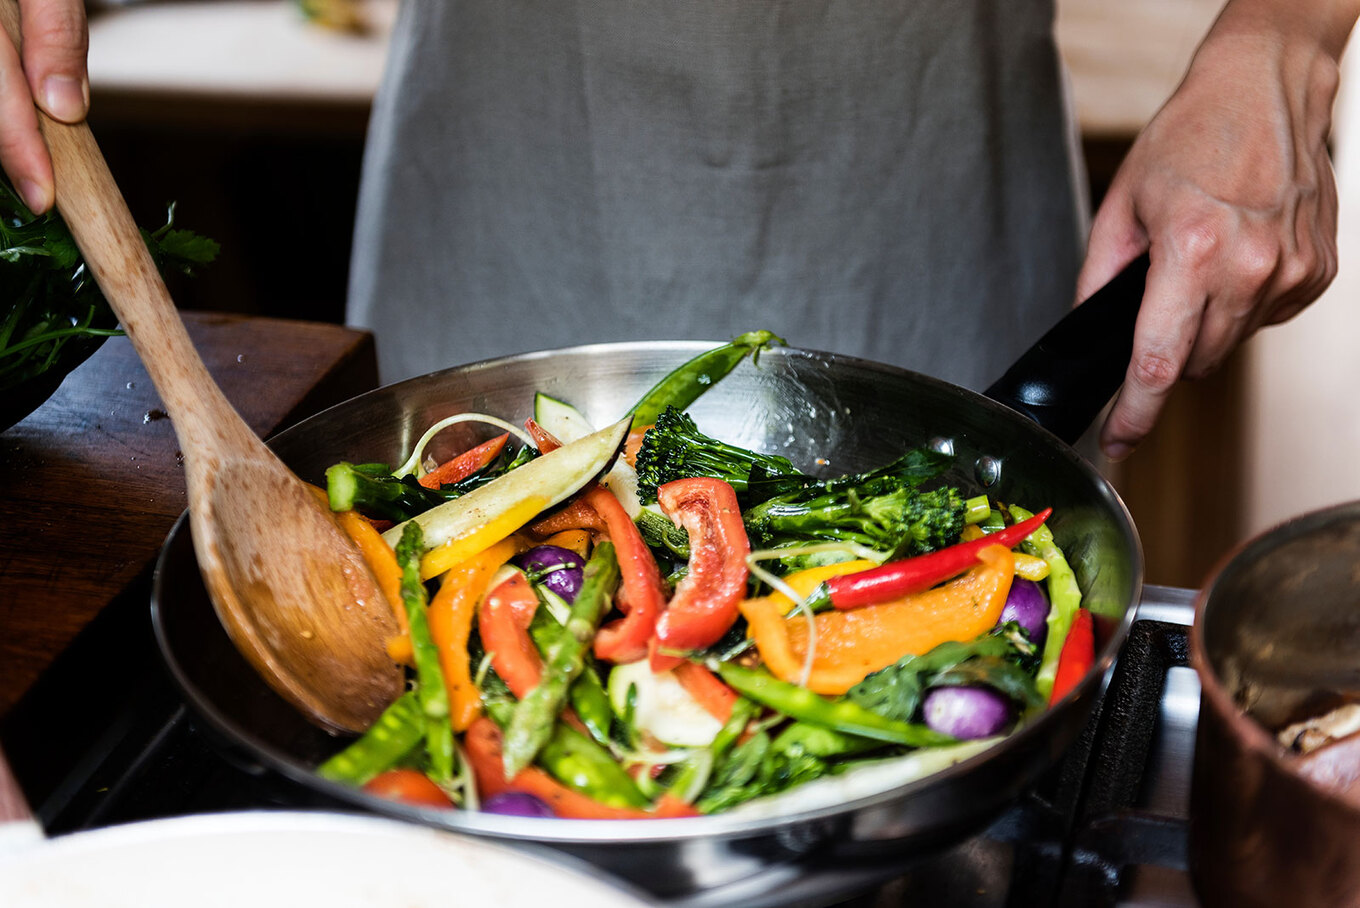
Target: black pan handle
pixel 1064 380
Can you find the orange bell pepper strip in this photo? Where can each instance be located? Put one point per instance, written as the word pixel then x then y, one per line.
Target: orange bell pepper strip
pixel 382 561
pixel 707 689
pixel 450 613
pixel 850 645
pixel 577 541
pixel 641 595
pixel 465 464
pixel 482 744
pixel 503 621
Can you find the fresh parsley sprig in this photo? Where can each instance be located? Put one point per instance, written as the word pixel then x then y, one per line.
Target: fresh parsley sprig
pixel 51 310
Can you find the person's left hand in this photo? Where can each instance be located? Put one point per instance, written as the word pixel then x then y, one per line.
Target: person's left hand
pixel 1230 189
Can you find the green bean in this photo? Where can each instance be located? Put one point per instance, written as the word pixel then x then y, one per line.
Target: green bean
pixel 532 722
pixel 838 715
pixel 685 384
pixel 1064 596
pixel 387 740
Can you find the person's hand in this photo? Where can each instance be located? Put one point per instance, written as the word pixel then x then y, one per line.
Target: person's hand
pixel 1231 190
pixel 52 73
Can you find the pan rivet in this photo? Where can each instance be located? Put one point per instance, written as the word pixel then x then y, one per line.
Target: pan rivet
pixel 988 470
pixel 941 445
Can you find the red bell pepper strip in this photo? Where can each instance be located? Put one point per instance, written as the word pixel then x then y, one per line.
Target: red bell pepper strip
pixel 1077 657
pixel 482 744
pixel 503 622
pixel 465 464
pixel 705 602
pixel 641 596
pixel 544 440
pixel 913 575
pixel 708 690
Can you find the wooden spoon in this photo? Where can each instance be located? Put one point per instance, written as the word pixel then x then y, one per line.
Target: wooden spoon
pixel 289 586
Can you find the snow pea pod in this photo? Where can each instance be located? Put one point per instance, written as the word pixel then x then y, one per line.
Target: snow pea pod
pixel 687 382
pixel 818 741
pixel 576 761
pixel 398 729
pixel 838 715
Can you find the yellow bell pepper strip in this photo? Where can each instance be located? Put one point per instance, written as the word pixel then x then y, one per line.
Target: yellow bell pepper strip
pixel 911 575
pixel 850 645
pixel 451 612
pixel 1029 567
pixel 461 548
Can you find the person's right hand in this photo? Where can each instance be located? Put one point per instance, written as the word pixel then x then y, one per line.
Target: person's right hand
pixel 52 73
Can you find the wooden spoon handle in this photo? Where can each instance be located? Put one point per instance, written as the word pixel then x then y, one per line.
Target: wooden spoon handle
pixel 96 214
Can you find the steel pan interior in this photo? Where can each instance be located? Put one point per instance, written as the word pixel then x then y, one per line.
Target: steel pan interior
pixel 828 414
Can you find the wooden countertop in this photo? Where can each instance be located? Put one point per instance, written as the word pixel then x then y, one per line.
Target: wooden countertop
pixel 90 483
pixel 1124 58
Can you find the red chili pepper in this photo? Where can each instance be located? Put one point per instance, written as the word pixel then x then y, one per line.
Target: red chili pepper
pixel 503 622
pixel 705 602
pixel 1077 656
pixel 913 575
pixel 641 596
pixel 465 464
pixel 544 440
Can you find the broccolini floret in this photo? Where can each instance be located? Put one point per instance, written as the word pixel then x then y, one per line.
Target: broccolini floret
pixel 902 520
pixel 674 448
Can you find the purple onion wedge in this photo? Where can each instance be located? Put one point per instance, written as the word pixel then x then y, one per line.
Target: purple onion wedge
pixel 560 570
pixel 1027 606
pixel 516 804
pixel 966 713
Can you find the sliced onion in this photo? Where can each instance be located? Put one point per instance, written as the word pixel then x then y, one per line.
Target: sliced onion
pixel 1028 607
pixel 517 804
pixel 966 713
pixel 560 570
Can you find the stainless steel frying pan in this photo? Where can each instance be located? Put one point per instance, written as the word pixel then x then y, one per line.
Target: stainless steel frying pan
pixel 823 411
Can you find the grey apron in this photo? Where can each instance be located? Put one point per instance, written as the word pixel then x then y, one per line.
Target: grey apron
pixel 884 178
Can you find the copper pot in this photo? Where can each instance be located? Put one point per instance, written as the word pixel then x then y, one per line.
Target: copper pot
pixel 1276 636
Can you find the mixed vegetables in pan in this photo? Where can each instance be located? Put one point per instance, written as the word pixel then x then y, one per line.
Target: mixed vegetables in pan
pixel 646 621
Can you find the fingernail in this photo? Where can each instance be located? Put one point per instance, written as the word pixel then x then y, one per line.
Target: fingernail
pixel 34 196
pixel 1117 450
pixel 66 98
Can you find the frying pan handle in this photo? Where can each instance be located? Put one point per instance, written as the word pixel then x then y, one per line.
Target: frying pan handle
pixel 1064 380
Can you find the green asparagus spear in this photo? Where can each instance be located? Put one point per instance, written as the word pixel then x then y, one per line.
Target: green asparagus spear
pixel 431 692
pixel 534 716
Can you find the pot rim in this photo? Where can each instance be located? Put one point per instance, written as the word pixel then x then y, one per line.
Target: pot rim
pixel 1246 731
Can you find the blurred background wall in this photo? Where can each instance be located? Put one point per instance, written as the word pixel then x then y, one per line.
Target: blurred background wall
pixel 252 118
